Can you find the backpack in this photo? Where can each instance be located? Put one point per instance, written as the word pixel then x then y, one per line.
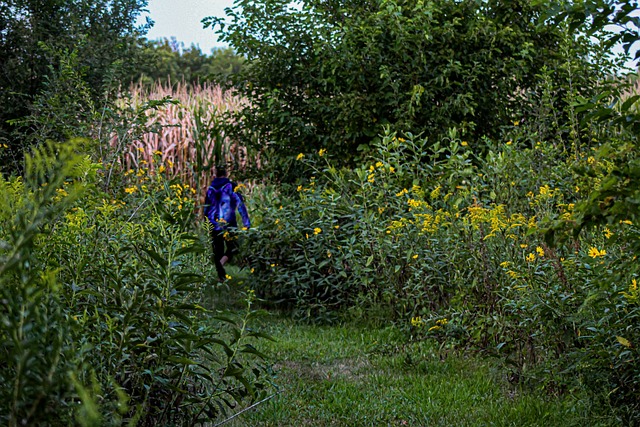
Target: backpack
pixel 221 212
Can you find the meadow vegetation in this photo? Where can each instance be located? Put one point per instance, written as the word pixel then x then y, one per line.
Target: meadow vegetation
pixel 474 214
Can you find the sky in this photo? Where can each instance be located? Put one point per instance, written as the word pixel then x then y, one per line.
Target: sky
pixel 181 19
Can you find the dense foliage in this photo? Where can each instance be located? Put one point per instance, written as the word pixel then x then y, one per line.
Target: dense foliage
pixel 332 74
pixel 102 319
pixel 468 170
pixel 48 46
pixel 454 249
pixel 169 62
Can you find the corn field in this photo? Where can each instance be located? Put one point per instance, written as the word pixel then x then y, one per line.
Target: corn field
pixel 184 138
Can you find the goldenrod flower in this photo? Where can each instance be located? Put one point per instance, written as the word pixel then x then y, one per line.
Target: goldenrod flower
pixel 300 156
pixel 416 321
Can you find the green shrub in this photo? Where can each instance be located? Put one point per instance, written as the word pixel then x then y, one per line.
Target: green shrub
pixel 101 304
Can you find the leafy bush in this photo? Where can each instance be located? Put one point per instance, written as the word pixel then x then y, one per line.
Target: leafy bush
pixel 101 304
pixel 328 74
pixel 454 248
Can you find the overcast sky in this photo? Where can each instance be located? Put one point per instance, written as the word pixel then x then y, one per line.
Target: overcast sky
pixel 181 19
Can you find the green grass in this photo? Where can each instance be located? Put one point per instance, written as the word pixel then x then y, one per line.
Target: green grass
pixel 356 375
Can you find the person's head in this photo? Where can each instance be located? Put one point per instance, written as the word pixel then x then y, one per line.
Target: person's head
pixel 221 171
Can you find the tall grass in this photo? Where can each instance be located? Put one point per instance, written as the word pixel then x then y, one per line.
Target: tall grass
pixel 185 137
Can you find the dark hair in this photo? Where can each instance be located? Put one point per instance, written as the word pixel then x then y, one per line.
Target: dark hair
pixel 221 171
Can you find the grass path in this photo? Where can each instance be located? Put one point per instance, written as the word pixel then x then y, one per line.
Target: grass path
pixel 357 376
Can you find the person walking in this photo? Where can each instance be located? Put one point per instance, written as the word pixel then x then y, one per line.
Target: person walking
pixel 220 205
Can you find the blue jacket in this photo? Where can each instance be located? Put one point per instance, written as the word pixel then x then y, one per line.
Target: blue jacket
pixel 221 203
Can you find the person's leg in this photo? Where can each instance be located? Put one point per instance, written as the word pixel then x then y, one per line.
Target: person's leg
pixel 217 242
pixel 231 242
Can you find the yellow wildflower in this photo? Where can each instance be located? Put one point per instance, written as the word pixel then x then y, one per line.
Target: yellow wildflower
pixel 157 153
pixel 227 277
pixel 531 257
pixel 540 251
pixel 436 192
pixel 392 169
pixel 415 256
pixel 509 142
pixel 379 164
pixel 322 152
pixel 607 233
pixel 595 253
pixel 626 221
pixel 300 156
pixel 371 178
pixel 402 192
pixel 464 143
pixel 299 187
pixel 317 230
pixel 130 190
pixel 416 321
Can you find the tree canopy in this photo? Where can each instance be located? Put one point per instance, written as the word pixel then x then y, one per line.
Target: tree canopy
pixel 330 74
pixel 99 37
